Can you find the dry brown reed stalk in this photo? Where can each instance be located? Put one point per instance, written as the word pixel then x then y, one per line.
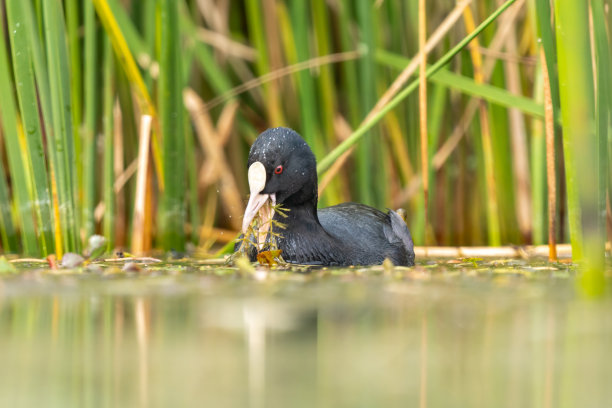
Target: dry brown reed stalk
pixel 124 177
pixel 226 45
pixel 288 70
pixel 423 109
pixel 563 250
pixel 551 181
pixel 118 169
pixel 509 57
pixel 210 212
pixel 215 13
pixel 217 234
pixel 216 167
pixel 518 145
pixel 140 238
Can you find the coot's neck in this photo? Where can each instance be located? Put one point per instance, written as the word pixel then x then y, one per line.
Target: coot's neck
pixel 302 213
pixel 302 205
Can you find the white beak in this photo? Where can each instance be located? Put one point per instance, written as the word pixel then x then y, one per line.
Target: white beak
pixel 257 182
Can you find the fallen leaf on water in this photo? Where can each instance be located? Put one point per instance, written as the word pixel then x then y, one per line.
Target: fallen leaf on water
pixel 269 257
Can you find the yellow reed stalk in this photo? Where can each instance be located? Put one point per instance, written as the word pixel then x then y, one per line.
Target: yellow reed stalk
pixel 423 109
pixel 59 249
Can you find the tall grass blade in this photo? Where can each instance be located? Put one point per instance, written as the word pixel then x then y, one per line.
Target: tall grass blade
pixel 8 234
pixel 90 97
pixel 580 140
pixel 63 160
pixel 34 151
pixel 18 169
pixel 73 11
pixel 108 178
pixel 603 113
pixel 172 213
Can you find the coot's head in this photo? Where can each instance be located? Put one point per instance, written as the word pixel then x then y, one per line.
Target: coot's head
pixel 282 169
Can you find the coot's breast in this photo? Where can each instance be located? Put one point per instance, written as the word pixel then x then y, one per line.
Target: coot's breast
pixel 370 235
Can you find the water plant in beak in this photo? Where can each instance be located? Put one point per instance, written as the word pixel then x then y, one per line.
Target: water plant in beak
pixel 259 228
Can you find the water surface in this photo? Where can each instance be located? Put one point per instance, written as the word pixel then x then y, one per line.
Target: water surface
pixel 474 334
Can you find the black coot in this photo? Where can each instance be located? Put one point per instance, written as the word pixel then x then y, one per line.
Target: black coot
pixel 282 169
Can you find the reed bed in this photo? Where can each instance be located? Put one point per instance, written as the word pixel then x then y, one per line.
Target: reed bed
pixel 507 142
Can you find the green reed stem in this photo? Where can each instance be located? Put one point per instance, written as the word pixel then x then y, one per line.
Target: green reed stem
pixel 583 163
pixel 33 150
pixel 90 98
pixel 17 167
pixel 170 103
pixel 64 159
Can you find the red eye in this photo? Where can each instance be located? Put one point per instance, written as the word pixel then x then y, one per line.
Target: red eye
pixel 278 169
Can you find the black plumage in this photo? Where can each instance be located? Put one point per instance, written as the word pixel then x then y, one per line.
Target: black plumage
pixel 345 234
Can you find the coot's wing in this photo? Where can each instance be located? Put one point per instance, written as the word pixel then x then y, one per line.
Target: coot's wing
pixel 370 232
pixel 354 223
